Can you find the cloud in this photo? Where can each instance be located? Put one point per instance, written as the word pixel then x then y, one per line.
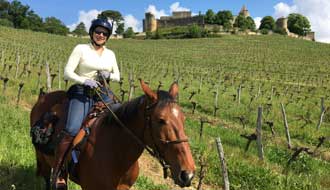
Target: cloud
pixel 257 21
pixel 86 18
pixel 173 8
pixel 176 7
pixel 131 21
pixel 317 12
pixel 154 11
pixel 283 10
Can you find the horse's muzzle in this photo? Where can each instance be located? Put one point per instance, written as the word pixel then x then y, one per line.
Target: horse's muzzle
pixel 185 178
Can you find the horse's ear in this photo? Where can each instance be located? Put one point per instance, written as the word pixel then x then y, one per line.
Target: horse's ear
pixel 174 90
pixel 147 90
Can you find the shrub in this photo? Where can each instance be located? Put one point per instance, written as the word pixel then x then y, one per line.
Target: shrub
pixel 264 31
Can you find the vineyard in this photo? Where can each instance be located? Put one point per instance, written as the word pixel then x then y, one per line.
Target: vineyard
pixel 227 84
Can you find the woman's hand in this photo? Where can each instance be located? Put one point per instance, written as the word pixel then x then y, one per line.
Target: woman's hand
pixel 91 83
pixel 105 74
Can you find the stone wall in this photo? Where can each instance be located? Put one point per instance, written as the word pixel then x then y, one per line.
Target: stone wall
pixel 199 20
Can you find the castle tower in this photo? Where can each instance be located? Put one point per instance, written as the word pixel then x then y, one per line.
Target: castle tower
pixel 149 23
pixel 282 23
pixel 244 12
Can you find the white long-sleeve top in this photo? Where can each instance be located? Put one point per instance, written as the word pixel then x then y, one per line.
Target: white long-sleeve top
pixel 84 62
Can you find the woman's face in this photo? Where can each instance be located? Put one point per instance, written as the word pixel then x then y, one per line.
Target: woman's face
pixel 100 35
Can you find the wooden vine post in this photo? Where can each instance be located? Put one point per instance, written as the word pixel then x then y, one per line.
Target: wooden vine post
pixel 285 121
pixel 223 164
pixel 49 78
pixel 259 134
pixel 322 114
pixel 19 93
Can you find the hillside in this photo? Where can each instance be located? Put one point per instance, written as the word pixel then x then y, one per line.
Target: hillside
pixel 222 82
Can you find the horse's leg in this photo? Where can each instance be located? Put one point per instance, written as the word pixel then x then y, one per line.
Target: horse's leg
pixel 127 181
pixel 43 169
pixel 47 182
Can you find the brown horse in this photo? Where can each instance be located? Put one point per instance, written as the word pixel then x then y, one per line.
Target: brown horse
pixel 109 159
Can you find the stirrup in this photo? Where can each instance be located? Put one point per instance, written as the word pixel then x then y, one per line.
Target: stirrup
pixel 60 183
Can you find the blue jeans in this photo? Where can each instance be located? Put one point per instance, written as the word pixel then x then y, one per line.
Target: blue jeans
pixel 81 99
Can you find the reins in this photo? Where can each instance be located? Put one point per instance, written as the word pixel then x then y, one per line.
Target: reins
pixel 153 153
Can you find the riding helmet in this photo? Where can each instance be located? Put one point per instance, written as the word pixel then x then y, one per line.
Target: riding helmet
pixel 100 22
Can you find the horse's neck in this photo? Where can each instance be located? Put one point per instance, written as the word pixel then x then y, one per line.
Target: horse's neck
pixel 123 134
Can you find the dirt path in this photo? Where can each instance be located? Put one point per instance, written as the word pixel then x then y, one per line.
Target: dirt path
pixel 149 167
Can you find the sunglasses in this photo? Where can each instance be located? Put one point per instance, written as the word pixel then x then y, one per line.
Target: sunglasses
pixel 99 32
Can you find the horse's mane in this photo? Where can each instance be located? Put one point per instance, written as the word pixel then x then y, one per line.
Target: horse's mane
pixel 132 107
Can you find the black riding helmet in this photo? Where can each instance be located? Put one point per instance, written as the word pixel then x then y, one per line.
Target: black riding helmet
pixel 100 22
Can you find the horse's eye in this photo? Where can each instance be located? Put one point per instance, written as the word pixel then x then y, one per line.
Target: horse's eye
pixel 162 121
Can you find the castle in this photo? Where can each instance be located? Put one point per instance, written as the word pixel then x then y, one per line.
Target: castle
pixel 185 18
pixel 181 18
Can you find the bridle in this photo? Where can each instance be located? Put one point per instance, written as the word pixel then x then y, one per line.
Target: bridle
pixel 155 152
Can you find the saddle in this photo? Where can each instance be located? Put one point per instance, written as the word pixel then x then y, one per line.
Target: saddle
pixel 46 131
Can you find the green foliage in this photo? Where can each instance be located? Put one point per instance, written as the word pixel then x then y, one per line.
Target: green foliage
pixel 194 31
pixel 298 24
pixel 113 15
pixel 120 29
pixel 225 19
pixel 209 17
pixel 268 23
pixel 251 24
pixel 244 23
pixel 129 33
pixel 55 26
pixel 35 22
pixel 281 31
pixel 17 15
pixel 264 31
pixel 6 22
pixel 80 30
pixel 144 183
pixel 180 32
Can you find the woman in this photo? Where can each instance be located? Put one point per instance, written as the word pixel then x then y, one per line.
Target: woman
pixel 85 64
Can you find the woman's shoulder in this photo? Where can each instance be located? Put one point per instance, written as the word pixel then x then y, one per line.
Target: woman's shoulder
pixel 82 46
pixel 109 51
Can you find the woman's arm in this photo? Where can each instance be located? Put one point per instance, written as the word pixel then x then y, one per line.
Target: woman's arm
pixel 72 65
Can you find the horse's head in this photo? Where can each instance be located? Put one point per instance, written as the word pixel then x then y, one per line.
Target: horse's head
pixel 165 134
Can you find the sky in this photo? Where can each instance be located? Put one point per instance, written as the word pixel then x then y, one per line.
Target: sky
pixel 72 12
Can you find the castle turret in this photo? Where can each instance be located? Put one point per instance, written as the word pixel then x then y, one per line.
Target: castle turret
pixel 244 11
pixel 149 23
pixel 282 23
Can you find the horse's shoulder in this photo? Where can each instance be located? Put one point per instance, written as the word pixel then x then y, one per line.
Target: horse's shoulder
pixel 49 102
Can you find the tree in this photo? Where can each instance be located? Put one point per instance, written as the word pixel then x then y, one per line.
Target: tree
pixel 4 6
pixel 34 21
pixel 80 30
pixel 120 29
pixel 250 23
pixel 17 13
pixel 209 17
pixel 225 19
pixel 114 16
pixel 55 26
pixel 244 23
pixel 240 22
pixel 268 23
pixel 298 24
pixel 129 33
